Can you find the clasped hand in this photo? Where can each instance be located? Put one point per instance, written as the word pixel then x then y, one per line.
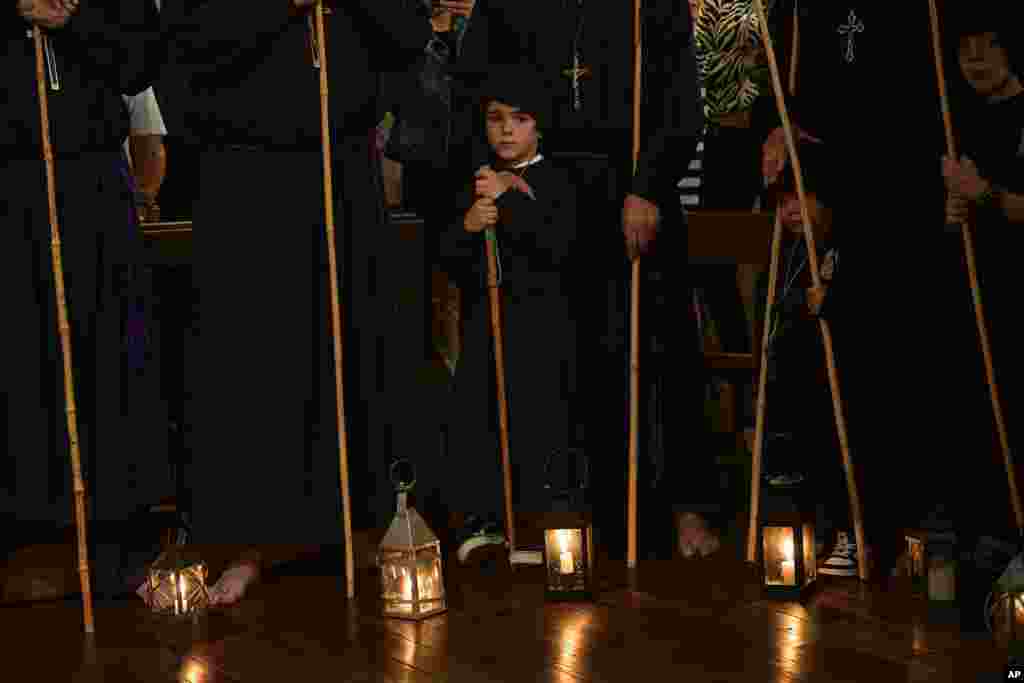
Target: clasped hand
pixel 48 14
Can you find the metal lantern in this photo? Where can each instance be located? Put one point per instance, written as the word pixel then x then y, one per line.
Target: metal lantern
pixel 568 528
pixel 934 570
pixel 916 567
pixel 1004 610
pixel 787 553
pixel 412 583
pixel 569 556
pixel 176 585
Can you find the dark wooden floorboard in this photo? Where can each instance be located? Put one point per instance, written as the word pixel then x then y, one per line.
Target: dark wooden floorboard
pixel 702 621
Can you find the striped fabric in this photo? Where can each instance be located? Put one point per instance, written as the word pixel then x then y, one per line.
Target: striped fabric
pixel 690 183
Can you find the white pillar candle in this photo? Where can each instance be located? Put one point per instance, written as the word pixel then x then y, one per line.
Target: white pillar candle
pixel 566 563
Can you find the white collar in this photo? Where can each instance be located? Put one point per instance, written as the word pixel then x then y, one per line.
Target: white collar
pixel 531 162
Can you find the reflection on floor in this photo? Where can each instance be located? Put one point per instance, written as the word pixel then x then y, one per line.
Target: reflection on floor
pixel 697 620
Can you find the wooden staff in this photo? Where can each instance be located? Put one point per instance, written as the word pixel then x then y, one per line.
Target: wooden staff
pixel 762 380
pixel 494 292
pixel 64 327
pixel 826 332
pixel 972 273
pixel 634 312
pixel 320 40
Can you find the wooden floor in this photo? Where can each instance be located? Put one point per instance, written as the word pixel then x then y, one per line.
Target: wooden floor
pixel 697 620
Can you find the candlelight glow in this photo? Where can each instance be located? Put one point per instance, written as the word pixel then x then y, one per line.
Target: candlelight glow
pixel 787 550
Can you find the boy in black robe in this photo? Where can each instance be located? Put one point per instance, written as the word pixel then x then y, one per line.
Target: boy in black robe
pixel 801 447
pixel 265 466
pixel 531 206
pixel 97 53
pixel 587 47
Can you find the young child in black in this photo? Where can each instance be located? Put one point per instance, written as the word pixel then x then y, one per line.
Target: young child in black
pixel 800 435
pixel 529 206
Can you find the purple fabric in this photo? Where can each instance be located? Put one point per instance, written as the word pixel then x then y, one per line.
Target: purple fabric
pixel 135 324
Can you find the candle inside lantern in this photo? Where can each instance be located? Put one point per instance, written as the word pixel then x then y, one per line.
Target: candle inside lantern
pixel 406 582
pixel 566 565
pixel 788 563
pixel 183 593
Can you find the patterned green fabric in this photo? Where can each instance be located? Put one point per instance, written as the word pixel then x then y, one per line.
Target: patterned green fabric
pixel 728 45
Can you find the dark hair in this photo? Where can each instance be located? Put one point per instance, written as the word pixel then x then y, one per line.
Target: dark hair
pixel 1003 19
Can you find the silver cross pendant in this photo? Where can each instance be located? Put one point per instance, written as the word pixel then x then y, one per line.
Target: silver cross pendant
pixel 852 27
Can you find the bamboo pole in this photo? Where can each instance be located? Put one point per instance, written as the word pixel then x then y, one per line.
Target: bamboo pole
pixel 494 294
pixel 634 314
pixel 332 256
pixel 64 327
pixel 757 456
pixel 826 332
pixel 972 273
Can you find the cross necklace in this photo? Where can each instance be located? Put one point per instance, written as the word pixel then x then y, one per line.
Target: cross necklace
pixel 852 27
pixel 577 71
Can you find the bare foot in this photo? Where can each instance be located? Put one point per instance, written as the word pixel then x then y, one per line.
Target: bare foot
pixel 233 584
pixel 695 538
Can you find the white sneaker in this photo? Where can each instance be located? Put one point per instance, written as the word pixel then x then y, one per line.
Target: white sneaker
pixel 843 560
pixel 479 542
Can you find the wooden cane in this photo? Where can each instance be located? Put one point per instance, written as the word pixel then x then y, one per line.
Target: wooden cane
pixel 972 273
pixel 494 294
pixel 826 332
pixel 634 314
pixel 320 39
pixel 756 458
pixel 64 327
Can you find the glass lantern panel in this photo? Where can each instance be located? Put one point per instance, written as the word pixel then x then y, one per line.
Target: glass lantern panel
pixel 566 568
pixel 396 581
pixel 779 556
pixel 179 592
pixel 915 557
pixel 428 576
pixel 810 559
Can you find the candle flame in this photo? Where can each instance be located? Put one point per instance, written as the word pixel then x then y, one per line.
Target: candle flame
pixel 787 549
pixel 182 591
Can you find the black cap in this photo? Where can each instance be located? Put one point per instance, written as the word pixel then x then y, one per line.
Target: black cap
pixel 518 86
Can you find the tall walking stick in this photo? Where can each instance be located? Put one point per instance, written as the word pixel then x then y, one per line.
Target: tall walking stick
pixel 762 379
pixel 972 272
pixel 320 40
pixel 494 294
pixel 826 332
pixel 634 313
pixel 64 327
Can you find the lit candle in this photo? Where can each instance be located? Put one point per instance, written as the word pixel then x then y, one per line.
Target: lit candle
pixel 406 591
pixel 788 563
pixel 184 593
pixel 788 572
pixel 566 565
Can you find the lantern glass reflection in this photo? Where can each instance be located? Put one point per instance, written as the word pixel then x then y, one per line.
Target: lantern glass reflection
pixel 563 550
pixel 411 582
pixel 810 560
pixel 177 589
pixel 779 556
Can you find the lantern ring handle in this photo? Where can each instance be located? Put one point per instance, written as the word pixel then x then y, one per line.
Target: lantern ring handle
pixel 402 486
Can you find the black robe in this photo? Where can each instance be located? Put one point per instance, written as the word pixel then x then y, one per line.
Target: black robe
pixel 993 137
pixel 540 258
pixel 102 53
pixel 876 106
pixel 265 460
pixel 595 143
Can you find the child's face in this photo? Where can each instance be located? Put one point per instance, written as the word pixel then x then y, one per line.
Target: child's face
pixel 791 218
pixel 984 63
pixel 511 133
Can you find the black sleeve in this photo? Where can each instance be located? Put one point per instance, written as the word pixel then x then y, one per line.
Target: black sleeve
pixel 123 39
pixel 460 251
pixel 672 115
pixel 210 41
pixel 544 227
pixel 401 30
